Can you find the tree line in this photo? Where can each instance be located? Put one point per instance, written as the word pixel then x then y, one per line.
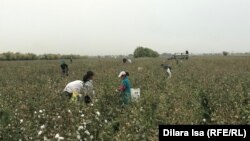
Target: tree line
pixel 32 56
pixel 139 52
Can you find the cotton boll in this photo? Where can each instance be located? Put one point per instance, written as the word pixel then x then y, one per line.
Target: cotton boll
pixel 141 109
pixel 57 136
pixel 91 137
pixel 60 138
pixel 78 137
pixel 42 127
pixel 40 132
pixel 96 118
pixel 87 132
pixel 80 128
pixel 45 138
pixel 98 113
pixel 139 68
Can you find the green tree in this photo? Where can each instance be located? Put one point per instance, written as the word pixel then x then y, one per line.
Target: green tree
pixel 225 53
pixel 145 52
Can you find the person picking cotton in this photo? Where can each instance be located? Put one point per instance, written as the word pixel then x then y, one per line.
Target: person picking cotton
pixel 125 87
pixel 81 88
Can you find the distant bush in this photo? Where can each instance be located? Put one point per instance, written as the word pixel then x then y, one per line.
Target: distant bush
pixel 18 56
pixel 225 53
pixel 145 52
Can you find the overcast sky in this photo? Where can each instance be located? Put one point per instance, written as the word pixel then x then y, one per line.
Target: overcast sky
pixel 101 27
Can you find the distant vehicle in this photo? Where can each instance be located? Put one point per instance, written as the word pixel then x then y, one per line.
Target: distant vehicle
pixel 180 56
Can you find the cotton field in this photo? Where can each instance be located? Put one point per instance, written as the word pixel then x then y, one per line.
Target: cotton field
pixel 202 90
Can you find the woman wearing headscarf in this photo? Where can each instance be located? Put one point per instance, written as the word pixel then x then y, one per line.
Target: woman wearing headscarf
pixel 125 87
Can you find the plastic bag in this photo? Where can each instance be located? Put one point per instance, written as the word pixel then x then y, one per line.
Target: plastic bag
pixel 75 97
pixel 135 94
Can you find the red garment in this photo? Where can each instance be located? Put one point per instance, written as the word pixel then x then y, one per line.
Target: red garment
pixel 122 88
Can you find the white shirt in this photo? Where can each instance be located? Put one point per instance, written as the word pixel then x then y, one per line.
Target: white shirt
pixel 76 85
pixel 89 84
pixel 88 89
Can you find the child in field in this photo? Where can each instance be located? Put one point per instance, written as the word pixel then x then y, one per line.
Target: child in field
pixel 84 88
pixel 168 69
pixel 125 87
pixel 65 68
pixel 124 60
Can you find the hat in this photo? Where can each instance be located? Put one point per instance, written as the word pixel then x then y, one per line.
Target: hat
pixel 122 73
